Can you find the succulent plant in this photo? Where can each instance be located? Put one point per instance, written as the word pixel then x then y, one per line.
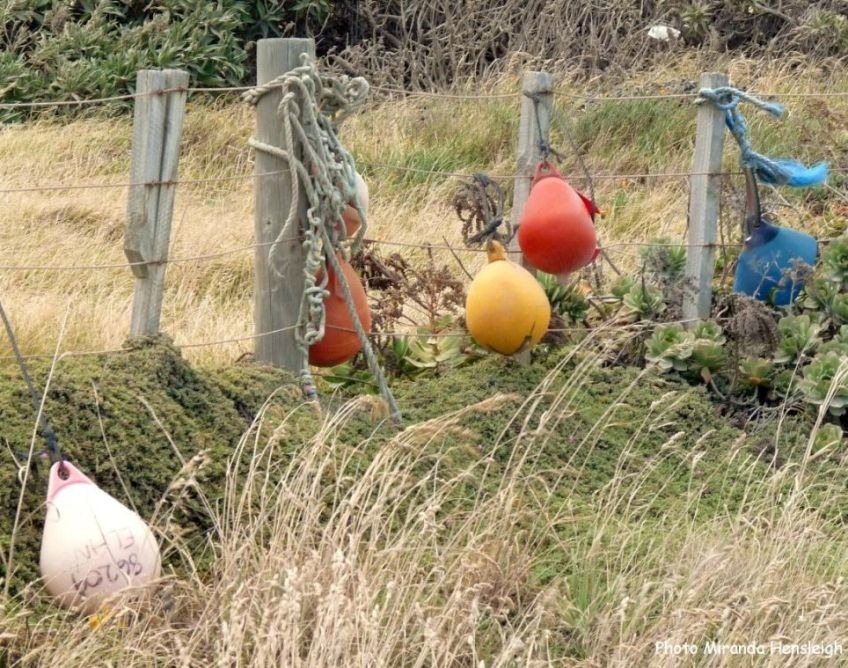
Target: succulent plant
pixel 669 347
pixel 837 309
pixel 709 330
pixel 622 286
pixel 828 436
pixel 784 385
pixel 818 293
pixel 432 352
pixel 819 378
pixel 799 336
pixel 756 372
pixel 707 358
pixel 643 302
pixel 566 300
pixel 834 263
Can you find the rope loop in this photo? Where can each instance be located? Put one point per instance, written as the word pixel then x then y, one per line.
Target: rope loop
pixel 479 204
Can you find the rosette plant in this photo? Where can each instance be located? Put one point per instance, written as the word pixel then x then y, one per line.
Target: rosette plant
pixel 708 357
pixel 643 302
pixel 834 263
pixel 669 348
pixel 799 337
pixel 837 310
pixel 709 330
pixel 622 286
pixel 825 381
pixel 756 372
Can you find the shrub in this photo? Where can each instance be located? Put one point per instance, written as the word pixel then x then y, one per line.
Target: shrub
pixel 93 48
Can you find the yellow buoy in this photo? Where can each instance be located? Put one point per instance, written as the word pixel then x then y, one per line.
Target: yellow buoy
pixel 506 308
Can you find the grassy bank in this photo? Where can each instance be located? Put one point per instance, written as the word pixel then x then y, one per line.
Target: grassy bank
pixel 557 513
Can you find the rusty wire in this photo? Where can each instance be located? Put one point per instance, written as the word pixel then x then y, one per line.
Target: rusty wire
pixel 479 204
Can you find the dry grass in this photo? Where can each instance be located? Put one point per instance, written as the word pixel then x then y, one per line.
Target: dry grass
pixel 395 558
pixel 212 300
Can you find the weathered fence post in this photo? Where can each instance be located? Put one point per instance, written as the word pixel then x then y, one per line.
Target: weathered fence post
pixel 157 127
pixel 277 294
pixel 704 196
pixel 531 127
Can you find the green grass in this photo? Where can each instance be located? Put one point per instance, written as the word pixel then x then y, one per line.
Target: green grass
pixel 615 474
pixel 636 136
pixel 578 455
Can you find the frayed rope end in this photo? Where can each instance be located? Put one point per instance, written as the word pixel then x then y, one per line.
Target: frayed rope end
pixel 791 173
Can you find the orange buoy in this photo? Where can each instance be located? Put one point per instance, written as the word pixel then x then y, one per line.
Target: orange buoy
pixel 506 309
pixel 340 342
pixel 93 545
pixel 556 232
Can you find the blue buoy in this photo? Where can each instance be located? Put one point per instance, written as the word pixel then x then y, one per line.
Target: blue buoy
pixel 765 266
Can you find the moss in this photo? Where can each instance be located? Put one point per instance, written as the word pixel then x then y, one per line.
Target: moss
pixel 198 411
pixel 612 424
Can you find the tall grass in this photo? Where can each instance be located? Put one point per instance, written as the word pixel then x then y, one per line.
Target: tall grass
pixel 212 300
pixel 426 551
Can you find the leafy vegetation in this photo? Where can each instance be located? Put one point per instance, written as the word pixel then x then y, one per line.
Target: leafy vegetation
pixel 72 49
pixel 58 50
pixel 521 484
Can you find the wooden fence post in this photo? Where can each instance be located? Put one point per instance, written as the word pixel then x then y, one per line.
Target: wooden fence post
pixel 277 296
pixel 531 127
pixel 704 196
pixel 157 127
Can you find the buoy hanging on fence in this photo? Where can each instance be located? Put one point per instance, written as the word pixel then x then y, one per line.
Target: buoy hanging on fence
pixel 506 309
pixel 350 215
pixel 93 545
pixel 765 267
pixel 340 342
pixel 556 231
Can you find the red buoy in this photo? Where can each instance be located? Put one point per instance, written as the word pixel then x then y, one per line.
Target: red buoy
pixel 340 342
pixel 556 232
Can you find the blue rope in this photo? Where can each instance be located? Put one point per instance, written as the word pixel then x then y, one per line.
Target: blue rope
pixel 774 172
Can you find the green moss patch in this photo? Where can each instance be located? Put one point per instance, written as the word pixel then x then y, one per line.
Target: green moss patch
pixel 588 426
pixel 156 412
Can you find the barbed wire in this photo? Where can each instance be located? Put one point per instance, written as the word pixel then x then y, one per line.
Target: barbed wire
pixel 693 96
pixel 572 177
pixel 240 249
pixel 575 177
pixel 176 182
pixel 129 265
pixel 366 164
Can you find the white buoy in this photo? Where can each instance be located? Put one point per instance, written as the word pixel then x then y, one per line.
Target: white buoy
pixel 362 193
pixel 93 545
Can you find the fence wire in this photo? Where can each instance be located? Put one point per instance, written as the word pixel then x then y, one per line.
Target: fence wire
pixel 596 98
pixel 410 333
pixel 628 247
pixel 385 166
